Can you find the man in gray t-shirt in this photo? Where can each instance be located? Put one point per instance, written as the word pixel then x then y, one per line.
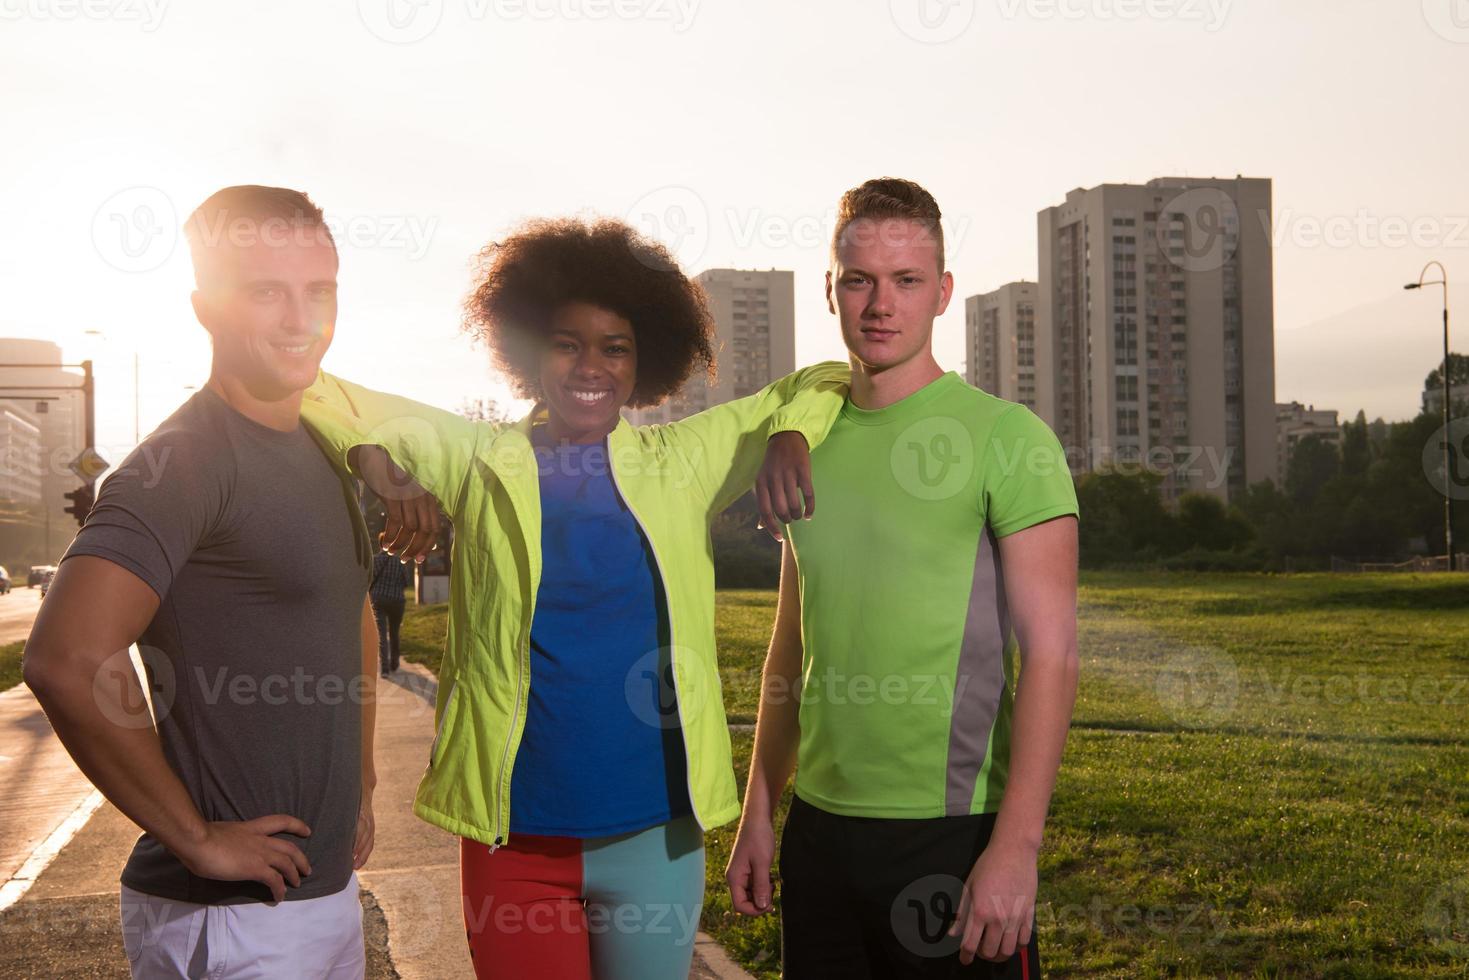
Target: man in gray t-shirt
pixel 229 549
pixel 260 562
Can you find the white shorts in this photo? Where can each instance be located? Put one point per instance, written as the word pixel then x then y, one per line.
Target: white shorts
pixel 314 937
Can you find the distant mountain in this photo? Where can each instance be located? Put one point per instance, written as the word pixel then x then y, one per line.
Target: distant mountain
pixel 1373 357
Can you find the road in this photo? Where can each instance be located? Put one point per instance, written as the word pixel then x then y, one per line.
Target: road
pixel 40 787
pixel 17 611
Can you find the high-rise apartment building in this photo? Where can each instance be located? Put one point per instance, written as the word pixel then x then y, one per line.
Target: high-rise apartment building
pixel 1000 342
pixel 1155 323
pixel 1294 422
pixel 755 325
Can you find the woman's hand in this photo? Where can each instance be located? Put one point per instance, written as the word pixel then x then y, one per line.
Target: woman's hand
pixel 412 528
pixel 784 478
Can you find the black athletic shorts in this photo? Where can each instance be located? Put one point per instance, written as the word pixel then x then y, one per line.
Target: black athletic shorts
pixel 864 898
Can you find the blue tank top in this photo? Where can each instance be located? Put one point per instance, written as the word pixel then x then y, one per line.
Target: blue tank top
pixel 602 752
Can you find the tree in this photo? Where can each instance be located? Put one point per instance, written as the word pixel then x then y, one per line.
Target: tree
pixel 1123 518
pixel 483 410
pixel 1356 447
pixel 1458 372
pixel 1206 523
pixel 1312 463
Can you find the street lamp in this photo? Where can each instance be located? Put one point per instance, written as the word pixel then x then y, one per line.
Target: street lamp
pixel 136 388
pixel 1448 520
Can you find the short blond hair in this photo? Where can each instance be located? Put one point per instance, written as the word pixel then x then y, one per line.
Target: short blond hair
pixel 889 197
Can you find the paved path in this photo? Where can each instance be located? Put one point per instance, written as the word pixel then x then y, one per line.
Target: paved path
pixel 18 609
pixel 63 923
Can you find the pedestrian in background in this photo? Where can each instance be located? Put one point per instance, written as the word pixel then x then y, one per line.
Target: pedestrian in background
pixel 389 579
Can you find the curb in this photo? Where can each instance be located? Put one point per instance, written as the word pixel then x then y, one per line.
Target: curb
pixel 717 960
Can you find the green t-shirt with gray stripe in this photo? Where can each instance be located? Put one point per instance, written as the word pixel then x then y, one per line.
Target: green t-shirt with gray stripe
pixel 908 666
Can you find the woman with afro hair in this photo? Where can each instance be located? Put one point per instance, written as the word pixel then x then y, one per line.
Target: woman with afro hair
pixel 581 745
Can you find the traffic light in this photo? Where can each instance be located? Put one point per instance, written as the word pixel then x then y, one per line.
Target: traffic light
pixel 81 502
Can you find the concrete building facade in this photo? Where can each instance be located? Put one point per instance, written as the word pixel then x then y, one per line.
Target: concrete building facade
pixel 1155 330
pixel 755 324
pixel 1000 343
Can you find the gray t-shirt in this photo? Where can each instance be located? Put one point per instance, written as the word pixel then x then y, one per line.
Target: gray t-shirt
pixel 259 556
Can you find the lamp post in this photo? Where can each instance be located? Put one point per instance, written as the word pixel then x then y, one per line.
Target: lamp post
pixel 1448 519
pixel 137 388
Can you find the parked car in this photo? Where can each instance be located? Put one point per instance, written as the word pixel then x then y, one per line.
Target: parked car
pixel 4 580
pixel 36 576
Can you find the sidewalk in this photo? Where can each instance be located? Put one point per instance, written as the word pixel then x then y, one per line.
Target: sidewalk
pixel 66 924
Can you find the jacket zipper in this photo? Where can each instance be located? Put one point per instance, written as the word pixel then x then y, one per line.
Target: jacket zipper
pixel 672 666
pixel 502 811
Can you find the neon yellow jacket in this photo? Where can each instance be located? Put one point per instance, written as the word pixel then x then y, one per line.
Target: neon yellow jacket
pixel 675 479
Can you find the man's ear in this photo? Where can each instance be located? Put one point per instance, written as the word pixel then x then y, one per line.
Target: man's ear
pixel 946 291
pixel 202 310
pixel 830 303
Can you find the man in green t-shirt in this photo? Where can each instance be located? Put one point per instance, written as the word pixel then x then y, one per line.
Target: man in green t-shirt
pixel 939 573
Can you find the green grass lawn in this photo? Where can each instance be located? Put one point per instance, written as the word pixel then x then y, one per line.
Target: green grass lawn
pixel 1267 776
pixel 10 664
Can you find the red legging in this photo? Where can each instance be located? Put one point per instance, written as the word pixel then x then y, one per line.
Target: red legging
pixel 611 908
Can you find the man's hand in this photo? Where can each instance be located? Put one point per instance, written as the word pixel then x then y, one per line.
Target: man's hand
pixel 412 528
pixel 784 478
pixel 244 850
pixel 748 871
pixel 366 828
pixel 998 904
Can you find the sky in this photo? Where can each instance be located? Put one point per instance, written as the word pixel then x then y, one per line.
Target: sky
pixel 728 129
